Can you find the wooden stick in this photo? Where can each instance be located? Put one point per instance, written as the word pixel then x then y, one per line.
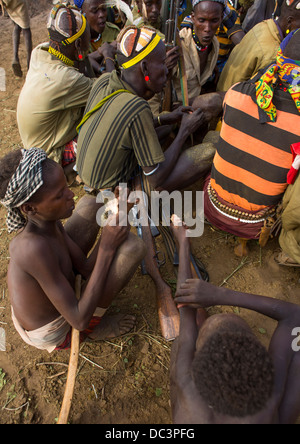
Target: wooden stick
pixel 73 364
pixel 182 73
pixel 167 310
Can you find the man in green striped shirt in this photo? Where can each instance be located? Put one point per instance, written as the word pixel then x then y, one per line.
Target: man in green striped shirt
pixel 120 133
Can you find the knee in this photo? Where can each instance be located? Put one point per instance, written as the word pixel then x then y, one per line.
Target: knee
pixel 87 207
pixel 136 248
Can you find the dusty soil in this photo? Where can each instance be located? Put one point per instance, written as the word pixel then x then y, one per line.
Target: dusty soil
pixel 126 380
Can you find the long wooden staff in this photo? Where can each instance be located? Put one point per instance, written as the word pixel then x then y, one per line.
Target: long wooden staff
pixel 182 73
pixel 73 364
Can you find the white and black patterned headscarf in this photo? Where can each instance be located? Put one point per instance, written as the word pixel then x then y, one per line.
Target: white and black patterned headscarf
pixel 195 2
pixel 24 183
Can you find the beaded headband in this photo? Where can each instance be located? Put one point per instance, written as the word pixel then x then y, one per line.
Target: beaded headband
pixel 143 53
pixel 76 19
pixel 291 2
pixel 134 40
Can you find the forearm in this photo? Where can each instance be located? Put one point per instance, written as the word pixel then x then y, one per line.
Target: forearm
pixel 184 269
pixel 271 307
pixel 163 119
pixel 171 157
pixel 109 64
pixel 188 330
pixel 95 66
pixel 91 296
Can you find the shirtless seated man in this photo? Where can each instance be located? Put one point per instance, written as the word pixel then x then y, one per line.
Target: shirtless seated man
pixel 44 258
pixel 220 372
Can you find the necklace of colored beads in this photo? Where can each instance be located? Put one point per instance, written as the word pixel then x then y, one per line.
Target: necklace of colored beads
pixel 61 56
pixel 97 39
pixel 198 44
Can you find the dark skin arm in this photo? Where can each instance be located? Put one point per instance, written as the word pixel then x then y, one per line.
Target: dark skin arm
pixel 46 270
pixel 189 123
pixel 83 264
pixel 187 405
pixel 172 57
pixel 105 53
pixel 237 37
pixel 172 117
pixel 196 293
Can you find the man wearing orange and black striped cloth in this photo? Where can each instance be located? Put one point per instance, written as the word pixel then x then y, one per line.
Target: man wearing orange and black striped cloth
pixel 261 121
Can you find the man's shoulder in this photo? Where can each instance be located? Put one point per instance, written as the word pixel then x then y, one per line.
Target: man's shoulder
pixel 185 34
pixel 112 26
pixel 264 29
pixel 244 87
pixel 53 68
pixel 111 31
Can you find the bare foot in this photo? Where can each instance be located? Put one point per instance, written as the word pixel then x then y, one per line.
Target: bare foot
pixel 283 259
pixel 17 69
pixel 241 249
pixel 113 326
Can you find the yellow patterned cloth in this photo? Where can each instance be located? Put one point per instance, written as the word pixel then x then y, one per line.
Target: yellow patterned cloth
pixel 285 70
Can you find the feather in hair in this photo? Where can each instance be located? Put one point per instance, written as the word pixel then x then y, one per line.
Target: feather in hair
pixel 121 7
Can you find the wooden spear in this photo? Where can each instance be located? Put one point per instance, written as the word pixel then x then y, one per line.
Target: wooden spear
pixel 73 363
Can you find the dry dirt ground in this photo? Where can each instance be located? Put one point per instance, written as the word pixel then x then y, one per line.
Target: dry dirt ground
pixel 126 380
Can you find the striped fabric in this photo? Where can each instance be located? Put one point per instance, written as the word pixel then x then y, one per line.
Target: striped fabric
pixel 117 137
pixel 23 184
pixel 252 159
pixel 230 25
pixel 135 40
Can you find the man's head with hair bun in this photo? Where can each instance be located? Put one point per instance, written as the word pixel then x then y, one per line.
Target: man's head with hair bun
pixel 132 41
pixel 65 25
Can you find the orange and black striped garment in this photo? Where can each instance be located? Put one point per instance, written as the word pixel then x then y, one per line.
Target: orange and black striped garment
pixel 252 159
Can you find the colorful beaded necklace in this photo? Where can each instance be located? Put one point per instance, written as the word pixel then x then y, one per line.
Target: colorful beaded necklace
pixel 97 39
pixel 198 44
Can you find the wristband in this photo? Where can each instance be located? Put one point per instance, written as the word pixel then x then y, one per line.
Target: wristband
pixel 109 58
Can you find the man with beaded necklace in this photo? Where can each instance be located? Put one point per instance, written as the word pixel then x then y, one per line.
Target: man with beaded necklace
pixel 200 46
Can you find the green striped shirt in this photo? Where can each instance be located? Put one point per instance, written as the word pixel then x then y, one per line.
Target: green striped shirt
pixel 117 137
